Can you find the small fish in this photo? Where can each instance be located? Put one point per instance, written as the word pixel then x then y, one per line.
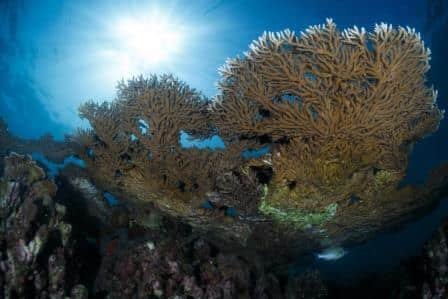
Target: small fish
pixel 331 254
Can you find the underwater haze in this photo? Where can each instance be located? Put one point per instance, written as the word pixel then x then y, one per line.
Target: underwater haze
pixel 57 55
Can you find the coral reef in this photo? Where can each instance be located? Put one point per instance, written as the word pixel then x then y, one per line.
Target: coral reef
pixel 178 268
pixel 40 258
pixel 46 145
pixel 134 145
pixel 339 112
pixel 145 254
pixel 35 241
pixel 342 109
pixel 133 150
pixel 435 267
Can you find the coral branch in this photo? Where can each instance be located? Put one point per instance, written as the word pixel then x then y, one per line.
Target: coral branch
pixel 337 105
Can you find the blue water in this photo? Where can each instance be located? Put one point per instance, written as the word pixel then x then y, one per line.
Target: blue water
pixel 111 199
pixel 52 168
pixel 380 254
pixel 213 142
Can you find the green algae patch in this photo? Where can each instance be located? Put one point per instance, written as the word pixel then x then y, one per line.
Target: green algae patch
pixel 384 178
pixel 298 218
pixel 151 221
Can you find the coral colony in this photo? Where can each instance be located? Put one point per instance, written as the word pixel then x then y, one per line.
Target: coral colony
pixel 332 115
pixel 339 110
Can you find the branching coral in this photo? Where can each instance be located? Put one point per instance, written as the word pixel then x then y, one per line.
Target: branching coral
pixel 339 106
pixel 133 146
pixel 338 110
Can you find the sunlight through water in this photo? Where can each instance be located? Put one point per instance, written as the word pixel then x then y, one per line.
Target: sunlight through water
pixel 147 40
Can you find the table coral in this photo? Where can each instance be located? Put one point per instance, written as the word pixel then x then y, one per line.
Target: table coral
pixel 342 109
pixel 338 111
pixel 133 146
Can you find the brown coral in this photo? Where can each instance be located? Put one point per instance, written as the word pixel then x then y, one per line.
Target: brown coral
pixel 343 108
pixel 133 146
pixel 338 110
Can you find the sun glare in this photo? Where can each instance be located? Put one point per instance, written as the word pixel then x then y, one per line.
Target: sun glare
pixel 148 41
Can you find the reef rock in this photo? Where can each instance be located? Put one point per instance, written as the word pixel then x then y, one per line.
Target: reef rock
pixel 35 241
pixel 174 267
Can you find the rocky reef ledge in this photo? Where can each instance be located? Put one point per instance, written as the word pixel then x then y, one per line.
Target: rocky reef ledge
pixel 59 239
